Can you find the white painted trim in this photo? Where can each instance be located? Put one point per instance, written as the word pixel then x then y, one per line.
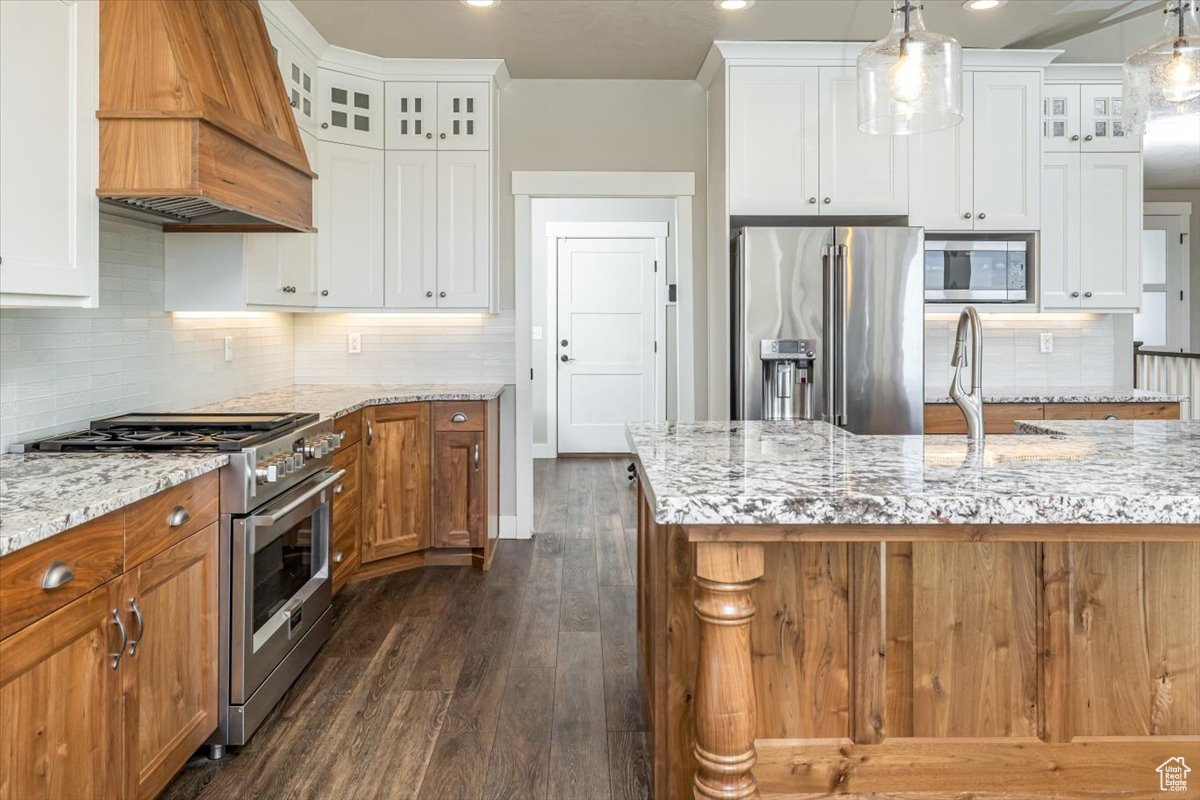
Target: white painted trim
pixel 607 230
pixel 1083 73
pixel 508 527
pixel 685 330
pixel 352 62
pixel 1173 209
pixel 295 25
pixel 543 451
pixel 603 184
pixel 523 382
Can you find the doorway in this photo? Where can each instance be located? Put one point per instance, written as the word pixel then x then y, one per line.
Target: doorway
pixel 1163 322
pixel 609 322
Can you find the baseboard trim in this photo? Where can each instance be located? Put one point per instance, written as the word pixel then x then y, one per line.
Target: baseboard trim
pixel 508 528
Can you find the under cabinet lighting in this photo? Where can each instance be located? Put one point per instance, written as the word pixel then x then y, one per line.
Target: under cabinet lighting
pixel 983 5
pixel 733 5
pixel 480 3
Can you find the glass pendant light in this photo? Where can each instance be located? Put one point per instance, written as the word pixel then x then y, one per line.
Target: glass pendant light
pixel 910 81
pixel 1162 81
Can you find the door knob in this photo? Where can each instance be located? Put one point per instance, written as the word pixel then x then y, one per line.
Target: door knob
pixel 563 342
pixel 565 358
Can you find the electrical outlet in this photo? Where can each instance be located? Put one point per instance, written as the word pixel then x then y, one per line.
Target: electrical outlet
pixel 354 343
pixel 1047 341
pixel 229 348
pixel 537 333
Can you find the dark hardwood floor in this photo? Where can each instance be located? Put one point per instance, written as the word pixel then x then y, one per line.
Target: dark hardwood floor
pixel 450 684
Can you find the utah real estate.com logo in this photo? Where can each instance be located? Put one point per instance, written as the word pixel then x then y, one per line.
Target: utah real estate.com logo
pixel 1172 775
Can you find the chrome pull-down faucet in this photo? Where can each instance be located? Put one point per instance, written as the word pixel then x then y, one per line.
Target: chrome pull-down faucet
pixel 971 403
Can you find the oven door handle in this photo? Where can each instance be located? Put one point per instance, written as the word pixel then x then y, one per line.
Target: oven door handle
pixel 280 513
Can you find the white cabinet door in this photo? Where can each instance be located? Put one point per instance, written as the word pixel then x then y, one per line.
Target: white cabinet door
pixel 1101 121
pixel 941 180
pixel 298 266
pixel 774 158
pixel 299 74
pixel 410 241
pixel 350 226
pixel 861 173
pixel 1060 231
pixel 411 115
pixel 463 223
pixel 350 109
pixel 49 92
pixel 1110 213
pixel 1007 151
pixel 265 286
pixel 1060 118
pixel 463 121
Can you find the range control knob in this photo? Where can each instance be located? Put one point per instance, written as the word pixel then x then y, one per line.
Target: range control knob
pixel 315 447
pixel 266 472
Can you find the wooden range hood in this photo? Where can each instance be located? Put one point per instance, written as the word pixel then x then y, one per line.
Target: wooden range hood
pixel 195 127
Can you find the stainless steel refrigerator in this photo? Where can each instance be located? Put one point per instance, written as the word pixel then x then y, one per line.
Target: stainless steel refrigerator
pixel 858 293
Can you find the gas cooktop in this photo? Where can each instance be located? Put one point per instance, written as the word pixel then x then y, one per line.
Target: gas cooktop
pixel 224 432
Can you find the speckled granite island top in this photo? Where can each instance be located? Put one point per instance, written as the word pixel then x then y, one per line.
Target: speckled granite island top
pixel 43 494
pixel 1077 394
pixel 334 400
pixel 811 473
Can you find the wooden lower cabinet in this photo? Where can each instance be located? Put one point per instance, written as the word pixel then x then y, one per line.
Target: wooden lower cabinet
pixel 1112 411
pixel 396 487
pixel 459 502
pixel 998 418
pixel 347 515
pixel 60 703
pixel 170 670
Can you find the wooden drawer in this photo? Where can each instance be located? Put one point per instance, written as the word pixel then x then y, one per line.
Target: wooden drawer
pixel 92 551
pixel 997 417
pixel 344 548
pixel 167 518
pixel 454 415
pixel 1118 410
pixel 347 490
pixel 350 426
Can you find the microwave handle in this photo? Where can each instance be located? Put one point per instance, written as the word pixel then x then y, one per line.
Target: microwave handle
pixel 280 513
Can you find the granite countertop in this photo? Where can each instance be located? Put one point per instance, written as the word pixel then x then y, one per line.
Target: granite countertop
pixel 812 473
pixel 42 494
pixel 335 400
pixel 1077 394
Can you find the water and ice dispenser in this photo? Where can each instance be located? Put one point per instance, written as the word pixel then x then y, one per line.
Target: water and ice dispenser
pixel 787 375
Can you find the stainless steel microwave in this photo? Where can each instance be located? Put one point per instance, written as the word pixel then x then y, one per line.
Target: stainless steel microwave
pixel 976 271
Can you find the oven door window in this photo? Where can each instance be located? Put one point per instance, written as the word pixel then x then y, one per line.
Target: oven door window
pixel 282 568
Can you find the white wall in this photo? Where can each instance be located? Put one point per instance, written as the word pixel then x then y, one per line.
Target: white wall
pixel 1084 351
pixel 61 368
pixel 608 125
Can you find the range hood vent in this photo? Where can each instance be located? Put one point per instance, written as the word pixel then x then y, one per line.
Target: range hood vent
pixel 195 127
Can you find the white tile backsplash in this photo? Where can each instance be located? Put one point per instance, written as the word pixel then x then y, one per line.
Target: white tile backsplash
pixel 1012 358
pixel 61 368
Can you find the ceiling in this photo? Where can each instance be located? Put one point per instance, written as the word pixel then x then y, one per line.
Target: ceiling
pixel 668 39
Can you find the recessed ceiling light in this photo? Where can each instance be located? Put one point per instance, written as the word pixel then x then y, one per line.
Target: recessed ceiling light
pixel 983 5
pixel 733 5
pixel 480 3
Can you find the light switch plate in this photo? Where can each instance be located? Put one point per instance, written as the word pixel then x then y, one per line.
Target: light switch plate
pixel 1047 342
pixel 229 348
pixel 537 333
pixel 354 343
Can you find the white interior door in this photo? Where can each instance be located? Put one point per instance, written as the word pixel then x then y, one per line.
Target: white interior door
pixel 607 329
pixel 1163 320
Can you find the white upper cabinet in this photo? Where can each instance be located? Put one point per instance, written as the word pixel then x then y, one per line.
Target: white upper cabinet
pixel 350 109
pixel 462 114
pixel 233 271
pixel 1085 118
pixel 463 227
pixel 410 248
pixel 774 161
pixel 1091 231
pixel 411 115
pixel 350 226
pixel 860 173
pixel 942 173
pixel 299 73
pixel 1007 143
pixel 49 144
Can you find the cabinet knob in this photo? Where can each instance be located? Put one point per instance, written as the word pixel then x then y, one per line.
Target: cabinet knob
pixel 1074 294
pixel 1087 138
pixel 1075 138
pixel 812 200
pixel 324 124
pixel 966 215
pixel 293 104
pixel 1087 294
pixel 441 294
pixel 324 293
pixel 339 557
pixel 429 136
pixel 828 200
pixel 982 215
pixel 429 294
pixel 442 136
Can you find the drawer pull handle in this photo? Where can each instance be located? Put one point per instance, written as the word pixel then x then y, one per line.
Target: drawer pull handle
pixel 338 557
pixel 1111 416
pixel 141 626
pixel 179 516
pixel 57 575
pixel 370 433
pixel 477 458
pixel 458 416
pixel 116 657
pixel 338 489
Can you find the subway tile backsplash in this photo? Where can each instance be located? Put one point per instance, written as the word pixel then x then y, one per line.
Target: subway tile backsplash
pixel 1083 352
pixel 61 368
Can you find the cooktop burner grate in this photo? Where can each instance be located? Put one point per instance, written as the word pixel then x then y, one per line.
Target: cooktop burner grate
pixel 129 432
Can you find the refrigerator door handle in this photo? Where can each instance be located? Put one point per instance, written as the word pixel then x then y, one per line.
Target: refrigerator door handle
pixel 840 363
pixel 830 304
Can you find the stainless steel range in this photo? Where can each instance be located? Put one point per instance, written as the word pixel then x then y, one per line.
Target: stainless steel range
pixel 276 522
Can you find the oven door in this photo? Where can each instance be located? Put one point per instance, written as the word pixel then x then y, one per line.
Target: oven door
pixel 280 580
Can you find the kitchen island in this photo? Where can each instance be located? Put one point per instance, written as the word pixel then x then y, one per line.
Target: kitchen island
pixel 821 613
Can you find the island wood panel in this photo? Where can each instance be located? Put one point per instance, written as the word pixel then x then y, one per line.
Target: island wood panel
pixel 997 417
pixel 1105 410
pixel 396 480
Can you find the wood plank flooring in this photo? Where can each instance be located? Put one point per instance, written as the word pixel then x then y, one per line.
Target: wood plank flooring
pixel 450 684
